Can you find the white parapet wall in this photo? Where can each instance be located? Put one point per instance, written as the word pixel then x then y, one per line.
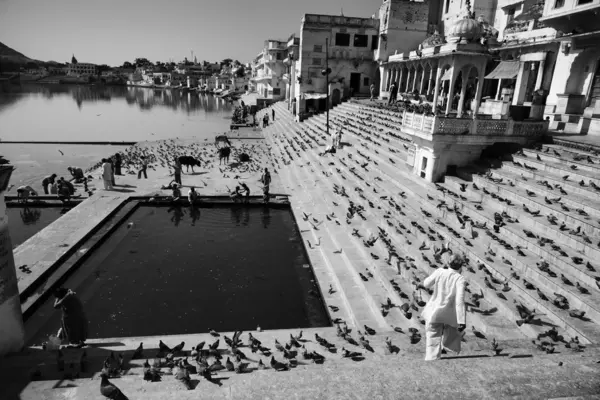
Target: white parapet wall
pixel 12 331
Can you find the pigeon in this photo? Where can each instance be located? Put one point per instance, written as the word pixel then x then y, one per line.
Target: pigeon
pixel 182 375
pixel 138 353
pixel 109 390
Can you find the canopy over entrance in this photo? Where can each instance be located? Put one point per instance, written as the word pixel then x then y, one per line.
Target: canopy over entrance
pixel 505 70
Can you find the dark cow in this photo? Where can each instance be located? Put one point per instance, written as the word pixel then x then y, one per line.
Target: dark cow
pixel 189 161
pixel 224 153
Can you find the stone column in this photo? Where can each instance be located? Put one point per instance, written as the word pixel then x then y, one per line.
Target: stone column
pixel 540 75
pixel 408 79
pixel 399 83
pixel 498 91
pixel 414 82
pixel 384 79
pixel 451 90
pixel 478 92
pixel 430 84
pixel 422 82
pixel 461 100
pixel 436 90
pixel 12 331
pixel 519 93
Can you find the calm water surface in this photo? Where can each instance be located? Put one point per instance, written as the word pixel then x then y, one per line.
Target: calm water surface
pixel 182 270
pixel 90 113
pixel 23 222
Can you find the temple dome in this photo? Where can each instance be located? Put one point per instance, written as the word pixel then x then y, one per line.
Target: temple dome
pixel 465 29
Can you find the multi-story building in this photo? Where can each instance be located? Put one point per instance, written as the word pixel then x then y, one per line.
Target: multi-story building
pixel 351 42
pixel 82 69
pixel 291 61
pixel 573 103
pixel 268 69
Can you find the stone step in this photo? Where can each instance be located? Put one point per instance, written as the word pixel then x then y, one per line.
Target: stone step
pixel 575 273
pixel 582 165
pixel 570 152
pixel 518 196
pixel 569 185
pixel 560 169
pixel 353 278
pixel 498 325
pixel 536 224
pixel 503 325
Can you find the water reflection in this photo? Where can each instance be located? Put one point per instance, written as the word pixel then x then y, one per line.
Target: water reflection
pixel 266 217
pixel 194 214
pixel 30 216
pixel 144 98
pixel 177 216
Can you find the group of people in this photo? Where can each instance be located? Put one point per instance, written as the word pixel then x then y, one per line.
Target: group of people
pixel 243 191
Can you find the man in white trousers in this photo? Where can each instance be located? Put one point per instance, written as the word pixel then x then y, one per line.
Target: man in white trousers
pixel 445 313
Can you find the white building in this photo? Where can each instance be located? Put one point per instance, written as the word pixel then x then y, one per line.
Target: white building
pixel 268 69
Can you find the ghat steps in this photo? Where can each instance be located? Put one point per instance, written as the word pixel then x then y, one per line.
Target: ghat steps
pixel 373 165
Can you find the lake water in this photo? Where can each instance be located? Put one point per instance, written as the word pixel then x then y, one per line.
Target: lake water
pixel 93 113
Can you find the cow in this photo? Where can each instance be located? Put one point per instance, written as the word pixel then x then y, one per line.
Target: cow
pixel 222 139
pixel 189 161
pixel 224 153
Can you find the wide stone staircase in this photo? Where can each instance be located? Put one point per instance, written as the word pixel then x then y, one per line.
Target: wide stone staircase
pixel 513 254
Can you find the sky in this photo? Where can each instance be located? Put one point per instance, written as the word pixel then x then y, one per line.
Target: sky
pixel 113 31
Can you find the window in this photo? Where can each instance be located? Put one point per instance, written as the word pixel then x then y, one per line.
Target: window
pixel 447 8
pixel 279 56
pixel 276 91
pixel 318 48
pixel 342 39
pixel 361 40
pixel 582 2
pixel 374 42
pixel 510 14
pixel 366 81
pixel 559 3
pixel 316 61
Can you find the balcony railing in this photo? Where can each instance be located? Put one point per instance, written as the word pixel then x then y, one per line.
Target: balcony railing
pixel 440 125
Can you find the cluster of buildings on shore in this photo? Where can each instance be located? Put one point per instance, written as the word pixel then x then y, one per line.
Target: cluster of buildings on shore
pixel 516 59
pixel 203 76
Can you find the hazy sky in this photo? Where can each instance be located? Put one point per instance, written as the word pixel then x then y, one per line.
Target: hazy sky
pixel 114 31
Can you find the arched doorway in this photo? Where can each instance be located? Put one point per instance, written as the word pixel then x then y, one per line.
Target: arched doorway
pixel 335 97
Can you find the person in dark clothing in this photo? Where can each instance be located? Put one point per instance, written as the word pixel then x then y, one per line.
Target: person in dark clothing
pixel 177 171
pixel 74 322
pixel 49 180
pixel 143 168
pixel 118 163
pixel 393 94
pixel 273 113
pixel 246 190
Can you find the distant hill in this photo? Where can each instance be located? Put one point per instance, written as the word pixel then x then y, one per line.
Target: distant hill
pixel 12 60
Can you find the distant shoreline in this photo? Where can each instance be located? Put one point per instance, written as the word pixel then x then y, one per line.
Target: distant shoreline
pixel 65 142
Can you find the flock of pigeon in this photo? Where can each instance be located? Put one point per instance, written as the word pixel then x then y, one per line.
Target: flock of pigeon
pixel 463 230
pixel 164 153
pixel 208 359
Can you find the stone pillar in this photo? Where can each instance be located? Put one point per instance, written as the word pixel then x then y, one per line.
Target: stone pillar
pixel 422 82
pixel 430 85
pixel 540 75
pixel 384 79
pixel 520 86
pixel 478 93
pixel 461 100
pixel 499 90
pixel 12 331
pixel 408 79
pixel 436 90
pixel 451 90
pixel 399 83
pixel 414 82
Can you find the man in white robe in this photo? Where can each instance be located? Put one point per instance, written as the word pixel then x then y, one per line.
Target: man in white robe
pixel 445 313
